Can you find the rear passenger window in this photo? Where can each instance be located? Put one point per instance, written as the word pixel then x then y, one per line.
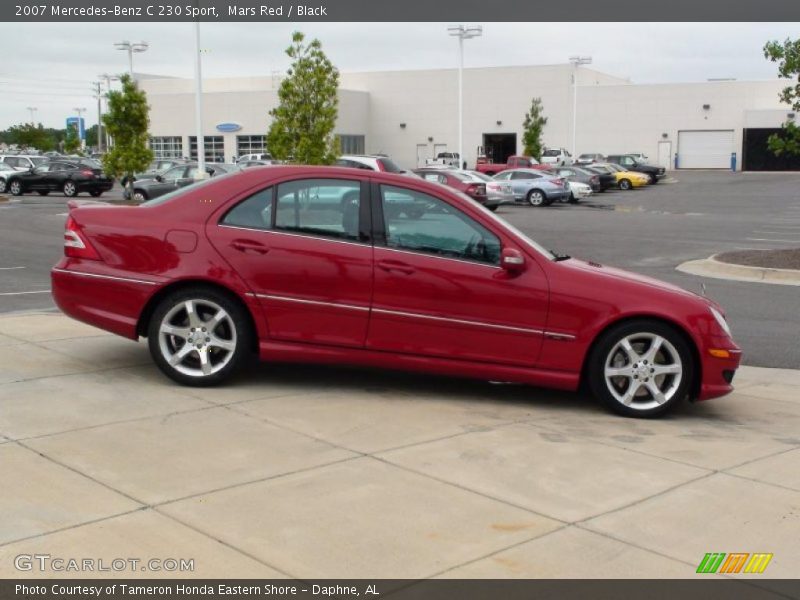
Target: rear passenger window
pixel 254 212
pixel 322 207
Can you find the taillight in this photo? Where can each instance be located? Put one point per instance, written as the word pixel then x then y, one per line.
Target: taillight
pixel 87 173
pixel 75 243
pixel 476 189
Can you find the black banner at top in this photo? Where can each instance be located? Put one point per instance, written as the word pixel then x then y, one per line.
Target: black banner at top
pixel 392 10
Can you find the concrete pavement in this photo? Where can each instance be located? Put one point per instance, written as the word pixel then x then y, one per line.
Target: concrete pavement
pixel 306 471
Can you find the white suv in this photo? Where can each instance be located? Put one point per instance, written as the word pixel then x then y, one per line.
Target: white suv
pixel 265 156
pixel 23 162
pixel 556 156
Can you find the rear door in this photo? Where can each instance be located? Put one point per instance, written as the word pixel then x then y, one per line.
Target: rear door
pixel 304 249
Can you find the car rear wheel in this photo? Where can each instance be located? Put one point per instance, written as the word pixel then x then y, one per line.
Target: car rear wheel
pixel 139 196
pixel 625 184
pixel 2 186
pixel 653 179
pixel 70 189
pixel 199 337
pixel 537 198
pixel 15 187
pixel 641 368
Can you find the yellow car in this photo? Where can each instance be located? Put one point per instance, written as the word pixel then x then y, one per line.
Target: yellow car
pixel 626 180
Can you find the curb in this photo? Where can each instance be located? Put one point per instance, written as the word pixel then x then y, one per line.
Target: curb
pixel 711 267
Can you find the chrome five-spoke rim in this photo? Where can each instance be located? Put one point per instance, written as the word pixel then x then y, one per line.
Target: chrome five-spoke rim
pixel 643 371
pixel 197 338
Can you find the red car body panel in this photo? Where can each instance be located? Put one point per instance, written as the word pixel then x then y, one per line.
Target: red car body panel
pixel 514 162
pixel 330 301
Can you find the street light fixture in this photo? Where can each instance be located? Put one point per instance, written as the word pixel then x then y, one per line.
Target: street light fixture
pixel 576 62
pixel 130 48
pixel 32 110
pixel 108 78
pixel 462 32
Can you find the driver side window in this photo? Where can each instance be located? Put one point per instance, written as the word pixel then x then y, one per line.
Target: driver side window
pixel 418 222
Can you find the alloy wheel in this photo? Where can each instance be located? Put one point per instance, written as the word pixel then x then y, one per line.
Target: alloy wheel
pixel 197 337
pixel 536 198
pixel 15 188
pixel 69 189
pixel 2 186
pixel 643 371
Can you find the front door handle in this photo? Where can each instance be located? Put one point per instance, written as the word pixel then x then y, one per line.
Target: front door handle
pixel 396 265
pixel 249 246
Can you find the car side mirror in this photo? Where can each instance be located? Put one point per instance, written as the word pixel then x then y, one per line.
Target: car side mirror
pixel 159 178
pixel 512 260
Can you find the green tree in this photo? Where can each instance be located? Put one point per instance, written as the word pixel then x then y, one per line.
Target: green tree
pixel 532 129
pixel 303 122
pixel 127 121
pixel 787 55
pixel 31 136
pixel 72 142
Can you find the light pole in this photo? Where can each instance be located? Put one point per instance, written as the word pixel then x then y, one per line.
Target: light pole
pixel 462 32
pixel 198 105
pixel 108 79
pixel 32 109
pixel 130 48
pixel 80 112
pixel 576 62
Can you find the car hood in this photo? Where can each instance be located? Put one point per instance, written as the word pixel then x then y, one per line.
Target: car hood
pixel 629 277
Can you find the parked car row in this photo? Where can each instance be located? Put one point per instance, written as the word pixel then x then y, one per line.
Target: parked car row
pixel 68 175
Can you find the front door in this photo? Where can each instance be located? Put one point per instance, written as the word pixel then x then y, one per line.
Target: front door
pixel 301 248
pixel 422 154
pixel 439 288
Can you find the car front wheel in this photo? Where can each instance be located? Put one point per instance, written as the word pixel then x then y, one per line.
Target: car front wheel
pixel 625 184
pixel 15 187
pixel 641 368
pixel 537 198
pixel 199 337
pixel 139 196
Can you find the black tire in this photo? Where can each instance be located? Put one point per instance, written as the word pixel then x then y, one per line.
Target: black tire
pixel 95 193
pixel 70 189
pixel 572 198
pixel 140 195
pixel 43 192
pixel 3 186
pixel 493 207
pixel 537 198
pixel 15 187
pixel 235 330
pixel 606 350
pixel 625 184
pixel 653 179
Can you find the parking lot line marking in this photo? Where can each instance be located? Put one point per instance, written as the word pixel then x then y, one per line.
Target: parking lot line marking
pixel 778 232
pixel 22 293
pixel 771 240
pixel 11 268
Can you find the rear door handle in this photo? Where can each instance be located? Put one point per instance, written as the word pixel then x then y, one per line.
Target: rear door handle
pixel 249 246
pixel 396 265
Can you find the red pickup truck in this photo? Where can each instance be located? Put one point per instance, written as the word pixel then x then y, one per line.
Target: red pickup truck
pixel 514 162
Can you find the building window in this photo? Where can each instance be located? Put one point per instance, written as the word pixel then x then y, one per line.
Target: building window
pixel 250 144
pixel 167 146
pixel 214 148
pixel 352 144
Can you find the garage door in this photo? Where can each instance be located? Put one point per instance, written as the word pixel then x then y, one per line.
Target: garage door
pixel 705 149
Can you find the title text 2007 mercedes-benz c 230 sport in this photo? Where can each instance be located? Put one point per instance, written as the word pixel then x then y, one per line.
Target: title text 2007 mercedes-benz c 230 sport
pixel 337 265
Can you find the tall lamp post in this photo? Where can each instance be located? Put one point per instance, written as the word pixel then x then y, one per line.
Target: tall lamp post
pixel 32 109
pixel 462 32
pixel 130 48
pixel 576 62
pixel 108 79
pixel 198 105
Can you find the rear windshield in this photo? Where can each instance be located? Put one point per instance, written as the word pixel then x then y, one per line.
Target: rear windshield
pixel 181 191
pixel 389 166
pixel 551 153
pixel 38 160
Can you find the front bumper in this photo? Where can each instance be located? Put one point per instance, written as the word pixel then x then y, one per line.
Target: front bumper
pixel 717 372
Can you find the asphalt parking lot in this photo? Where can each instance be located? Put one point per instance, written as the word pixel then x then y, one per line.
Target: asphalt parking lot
pixel 306 472
pixel 312 472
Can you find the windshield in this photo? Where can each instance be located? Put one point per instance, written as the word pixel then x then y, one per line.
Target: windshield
pixel 38 160
pixel 180 191
pixel 389 166
pixel 482 176
pixel 551 153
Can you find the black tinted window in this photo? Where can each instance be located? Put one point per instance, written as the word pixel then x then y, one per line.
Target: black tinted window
pixel 254 212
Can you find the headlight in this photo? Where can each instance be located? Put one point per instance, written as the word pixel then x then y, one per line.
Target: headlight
pixel 721 320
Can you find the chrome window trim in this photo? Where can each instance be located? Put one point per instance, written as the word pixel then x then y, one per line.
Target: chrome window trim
pixel 431 255
pixel 300 235
pixel 98 276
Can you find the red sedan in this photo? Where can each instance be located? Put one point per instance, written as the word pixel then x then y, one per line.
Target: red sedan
pixel 335 265
pixel 463 181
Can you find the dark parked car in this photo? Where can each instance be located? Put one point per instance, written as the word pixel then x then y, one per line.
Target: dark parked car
pixel 463 181
pixel 631 163
pixel 580 175
pixel 156 167
pixel 607 180
pixel 68 176
pixel 174 178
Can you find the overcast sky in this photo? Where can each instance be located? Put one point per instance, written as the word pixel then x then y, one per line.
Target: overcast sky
pixel 51 66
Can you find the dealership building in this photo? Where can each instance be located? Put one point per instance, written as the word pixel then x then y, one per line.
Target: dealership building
pixel 413 115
